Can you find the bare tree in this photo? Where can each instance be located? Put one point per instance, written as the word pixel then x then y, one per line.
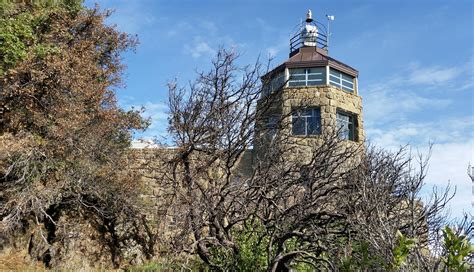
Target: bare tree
pixel 213 124
pixel 386 199
pixel 212 128
pixel 310 202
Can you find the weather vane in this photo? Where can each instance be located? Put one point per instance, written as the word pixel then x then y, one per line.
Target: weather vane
pixel 330 18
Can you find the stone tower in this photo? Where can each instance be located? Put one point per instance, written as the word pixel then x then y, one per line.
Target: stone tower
pixel 310 93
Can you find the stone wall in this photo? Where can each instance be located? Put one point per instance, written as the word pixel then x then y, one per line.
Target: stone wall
pixel 329 99
pixel 158 203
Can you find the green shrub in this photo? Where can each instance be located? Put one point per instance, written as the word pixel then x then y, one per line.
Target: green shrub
pixel 458 248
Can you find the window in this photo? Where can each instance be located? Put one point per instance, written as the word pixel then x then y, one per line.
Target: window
pixel 307 76
pixel 272 126
pixel 341 80
pixel 275 83
pixel 306 121
pixel 346 125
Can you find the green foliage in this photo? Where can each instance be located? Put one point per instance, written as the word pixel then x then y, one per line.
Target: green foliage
pixel 298 264
pixel 458 247
pixel 402 250
pixel 63 138
pixel 361 258
pixel 43 50
pixel 153 266
pixel 19 34
pixel 302 266
pixel 252 248
pixel 15 36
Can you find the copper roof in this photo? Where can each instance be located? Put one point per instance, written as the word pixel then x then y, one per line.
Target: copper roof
pixel 313 57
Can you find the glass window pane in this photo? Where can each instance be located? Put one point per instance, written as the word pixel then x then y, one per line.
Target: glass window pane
pixel 347 84
pixel 315 82
pixel 346 126
pixel 342 75
pixel 297 77
pixel 314 126
pixel 314 122
pixel 348 89
pixel 344 134
pixel 272 125
pixel 306 121
pixel 316 70
pixel 277 82
pixel 334 72
pixel 307 112
pixel 335 79
pixel 298 126
pixel 334 84
pixel 347 77
pixel 272 122
pixel 316 112
pixel 314 76
pixel 265 90
pixel 351 131
pixel 296 83
pixel 297 71
pixel 342 118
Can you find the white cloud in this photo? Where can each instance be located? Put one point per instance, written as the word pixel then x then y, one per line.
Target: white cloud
pixel 156 112
pixel 434 75
pixel 131 16
pixel 144 143
pixel 385 104
pixel 441 131
pixel 199 48
pixel 274 51
pixel 412 108
pixel 414 90
pixel 449 158
pixel 449 163
pixel 209 26
pixel 202 38
pixel 179 28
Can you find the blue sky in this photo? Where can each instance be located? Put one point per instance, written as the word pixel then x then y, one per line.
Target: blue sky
pixel 415 59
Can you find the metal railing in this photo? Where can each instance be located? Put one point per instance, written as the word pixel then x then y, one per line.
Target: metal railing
pixel 298 40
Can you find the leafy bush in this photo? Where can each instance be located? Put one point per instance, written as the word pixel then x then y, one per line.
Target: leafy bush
pixel 458 248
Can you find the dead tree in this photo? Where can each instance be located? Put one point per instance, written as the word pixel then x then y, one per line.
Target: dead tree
pixel 312 201
pixel 212 128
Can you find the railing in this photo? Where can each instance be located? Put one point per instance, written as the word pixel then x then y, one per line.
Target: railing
pixel 298 40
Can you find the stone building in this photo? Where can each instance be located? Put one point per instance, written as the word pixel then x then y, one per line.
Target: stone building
pixel 305 98
pixel 310 93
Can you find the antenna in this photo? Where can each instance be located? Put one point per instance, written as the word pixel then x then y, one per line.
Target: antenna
pixel 330 18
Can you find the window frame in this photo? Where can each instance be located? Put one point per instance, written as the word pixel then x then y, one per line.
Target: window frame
pixel 341 80
pixel 351 133
pixel 271 125
pixel 315 115
pixel 275 83
pixel 318 77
